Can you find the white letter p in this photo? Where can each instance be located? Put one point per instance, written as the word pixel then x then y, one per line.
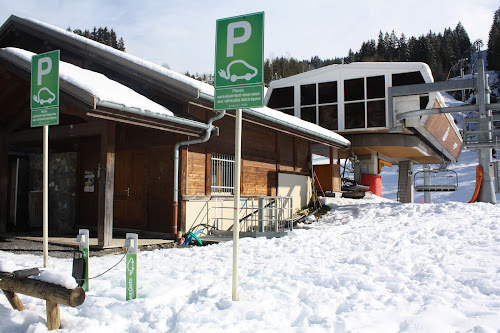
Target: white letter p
pixel 232 40
pixel 41 71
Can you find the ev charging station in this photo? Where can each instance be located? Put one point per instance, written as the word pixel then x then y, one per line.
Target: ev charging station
pixel 83 246
pixel 132 246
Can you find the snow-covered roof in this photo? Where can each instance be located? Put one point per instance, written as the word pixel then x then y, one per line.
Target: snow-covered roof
pixel 99 86
pixel 96 89
pixel 109 52
pixel 355 70
pixel 297 123
pixel 169 77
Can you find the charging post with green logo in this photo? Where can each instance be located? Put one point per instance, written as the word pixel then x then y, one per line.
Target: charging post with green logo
pixel 132 246
pixel 83 245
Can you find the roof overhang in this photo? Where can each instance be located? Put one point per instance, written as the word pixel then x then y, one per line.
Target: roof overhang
pixel 395 147
pixel 114 112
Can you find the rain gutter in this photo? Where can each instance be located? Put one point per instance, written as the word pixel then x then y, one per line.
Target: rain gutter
pixel 177 146
pixel 147 113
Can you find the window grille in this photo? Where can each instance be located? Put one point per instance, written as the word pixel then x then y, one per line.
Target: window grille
pixel 222 174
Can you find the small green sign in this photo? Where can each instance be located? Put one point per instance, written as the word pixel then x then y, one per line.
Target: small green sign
pixel 85 251
pixel 239 62
pixel 131 280
pixel 45 89
pixel 239 97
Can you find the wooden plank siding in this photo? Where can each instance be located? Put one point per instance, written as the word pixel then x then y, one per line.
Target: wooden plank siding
pixel 160 195
pixel 265 153
pixel 4 174
pixel 196 171
pixel 106 184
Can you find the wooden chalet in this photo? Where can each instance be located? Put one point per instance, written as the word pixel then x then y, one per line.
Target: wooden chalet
pixel 112 156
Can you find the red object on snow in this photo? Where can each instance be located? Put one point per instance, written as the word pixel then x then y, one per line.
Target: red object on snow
pixel 375 183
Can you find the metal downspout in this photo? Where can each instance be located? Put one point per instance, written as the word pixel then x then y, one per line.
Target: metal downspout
pixel 177 146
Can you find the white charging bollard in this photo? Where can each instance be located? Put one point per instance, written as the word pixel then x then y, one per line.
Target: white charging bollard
pixel 83 245
pixel 132 245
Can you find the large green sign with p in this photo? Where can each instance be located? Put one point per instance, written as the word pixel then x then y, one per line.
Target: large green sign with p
pixel 45 89
pixel 239 62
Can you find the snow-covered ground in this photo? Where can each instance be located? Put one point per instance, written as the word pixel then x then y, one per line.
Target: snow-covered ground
pixel 371 265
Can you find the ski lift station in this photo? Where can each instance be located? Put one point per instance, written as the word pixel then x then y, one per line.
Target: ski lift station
pixel 353 101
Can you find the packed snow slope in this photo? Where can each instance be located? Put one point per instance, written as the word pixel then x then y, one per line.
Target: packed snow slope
pixel 369 265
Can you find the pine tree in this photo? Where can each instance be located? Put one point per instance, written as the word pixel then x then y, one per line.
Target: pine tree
pixel 392 46
pixel 494 43
pixel 403 50
pixel 103 36
pixel 463 41
pixel 381 46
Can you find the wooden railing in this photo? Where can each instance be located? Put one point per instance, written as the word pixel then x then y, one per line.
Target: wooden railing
pixel 53 294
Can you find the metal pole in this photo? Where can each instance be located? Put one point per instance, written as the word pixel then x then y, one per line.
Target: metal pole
pixel 236 224
pixel 462 77
pixel 46 196
pixel 427 181
pixel 487 191
pixel 16 191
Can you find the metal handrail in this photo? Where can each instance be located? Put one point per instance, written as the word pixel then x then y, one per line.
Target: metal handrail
pixel 258 214
pixel 471 137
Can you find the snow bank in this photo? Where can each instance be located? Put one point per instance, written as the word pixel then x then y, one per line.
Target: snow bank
pixel 55 277
pixel 367 266
pixel 7 266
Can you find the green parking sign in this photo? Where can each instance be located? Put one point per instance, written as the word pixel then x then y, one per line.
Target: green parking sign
pixel 239 62
pixel 45 89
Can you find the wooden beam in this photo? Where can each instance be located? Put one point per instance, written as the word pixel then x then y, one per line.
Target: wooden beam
pixel 208 172
pixel 14 300
pixel 278 159
pixel 53 316
pixel 44 290
pixel 57 132
pixel 53 295
pixel 106 185
pixel 331 182
pixel 4 183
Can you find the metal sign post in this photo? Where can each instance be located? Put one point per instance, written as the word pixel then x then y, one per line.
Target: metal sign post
pixel 131 243
pixel 487 190
pixel 239 83
pixel 236 217
pixel 44 103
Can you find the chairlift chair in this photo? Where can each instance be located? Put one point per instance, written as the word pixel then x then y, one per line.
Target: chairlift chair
pixel 441 180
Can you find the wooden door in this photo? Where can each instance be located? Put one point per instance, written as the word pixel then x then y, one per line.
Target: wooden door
pixel 129 204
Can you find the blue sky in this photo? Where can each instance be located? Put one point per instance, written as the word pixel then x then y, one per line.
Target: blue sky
pixel 182 33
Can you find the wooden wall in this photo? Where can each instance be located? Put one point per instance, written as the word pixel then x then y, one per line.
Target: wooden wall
pixel 329 178
pixel 265 152
pixel 87 202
